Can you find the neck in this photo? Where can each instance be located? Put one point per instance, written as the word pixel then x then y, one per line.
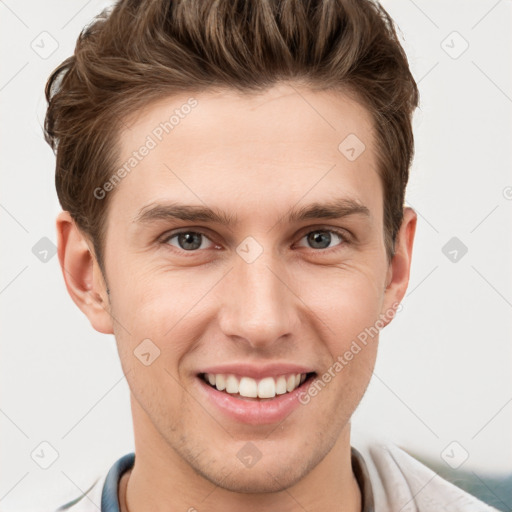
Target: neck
pixel 161 480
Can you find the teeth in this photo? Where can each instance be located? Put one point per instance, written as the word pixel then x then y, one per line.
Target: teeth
pixel 231 384
pixel 290 383
pixel 220 382
pixel 281 385
pixel 267 387
pixel 248 387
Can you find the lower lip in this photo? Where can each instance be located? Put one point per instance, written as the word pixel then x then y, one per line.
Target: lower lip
pixel 255 412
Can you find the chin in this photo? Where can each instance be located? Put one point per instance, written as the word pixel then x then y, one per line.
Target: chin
pixel 257 481
pixel 277 470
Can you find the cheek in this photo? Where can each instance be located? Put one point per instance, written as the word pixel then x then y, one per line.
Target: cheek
pixel 348 305
pixel 149 301
pixel 160 307
pixel 151 341
pixel 347 300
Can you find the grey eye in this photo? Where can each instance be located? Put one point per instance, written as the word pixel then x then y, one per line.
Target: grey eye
pixel 188 240
pixel 321 239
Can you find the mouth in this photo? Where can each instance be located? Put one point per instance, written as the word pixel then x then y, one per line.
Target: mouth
pixel 259 390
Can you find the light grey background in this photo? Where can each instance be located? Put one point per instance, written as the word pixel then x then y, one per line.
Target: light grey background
pixel 443 372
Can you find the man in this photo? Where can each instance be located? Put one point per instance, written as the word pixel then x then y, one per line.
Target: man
pixel 232 176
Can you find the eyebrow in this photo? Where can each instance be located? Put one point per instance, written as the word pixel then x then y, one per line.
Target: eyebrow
pixel 333 209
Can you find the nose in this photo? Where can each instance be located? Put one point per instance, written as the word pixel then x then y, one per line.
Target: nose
pixel 258 305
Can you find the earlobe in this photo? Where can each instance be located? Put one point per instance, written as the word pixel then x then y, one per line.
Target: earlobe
pixel 400 266
pixel 82 274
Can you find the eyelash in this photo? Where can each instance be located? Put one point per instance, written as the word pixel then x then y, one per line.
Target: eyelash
pixel 341 233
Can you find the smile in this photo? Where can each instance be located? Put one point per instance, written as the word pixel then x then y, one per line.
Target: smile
pixel 266 397
pixel 247 387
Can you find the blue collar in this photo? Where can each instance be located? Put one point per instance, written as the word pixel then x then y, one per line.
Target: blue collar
pixel 109 499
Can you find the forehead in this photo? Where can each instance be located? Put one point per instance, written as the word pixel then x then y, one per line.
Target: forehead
pixel 241 151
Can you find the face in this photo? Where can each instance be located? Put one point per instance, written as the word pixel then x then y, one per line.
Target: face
pixel 244 248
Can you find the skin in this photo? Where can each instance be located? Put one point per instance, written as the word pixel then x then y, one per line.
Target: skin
pixel 295 303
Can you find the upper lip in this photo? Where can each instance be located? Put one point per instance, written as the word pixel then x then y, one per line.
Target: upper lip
pixel 257 371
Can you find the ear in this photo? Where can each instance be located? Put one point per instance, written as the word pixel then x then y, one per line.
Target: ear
pixel 82 274
pixel 397 278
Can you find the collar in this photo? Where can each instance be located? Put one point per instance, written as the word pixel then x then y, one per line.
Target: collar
pixel 363 480
pixel 109 496
pixel 110 499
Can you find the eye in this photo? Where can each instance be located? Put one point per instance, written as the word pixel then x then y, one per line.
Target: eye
pixel 193 241
pixel 187 240
pixel 322 238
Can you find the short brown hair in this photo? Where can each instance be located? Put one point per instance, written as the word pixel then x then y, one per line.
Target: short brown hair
pixel 140 51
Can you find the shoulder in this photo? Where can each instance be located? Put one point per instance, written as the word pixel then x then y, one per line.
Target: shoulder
pixel 88 501
pixel 102 494
pixel 400 482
